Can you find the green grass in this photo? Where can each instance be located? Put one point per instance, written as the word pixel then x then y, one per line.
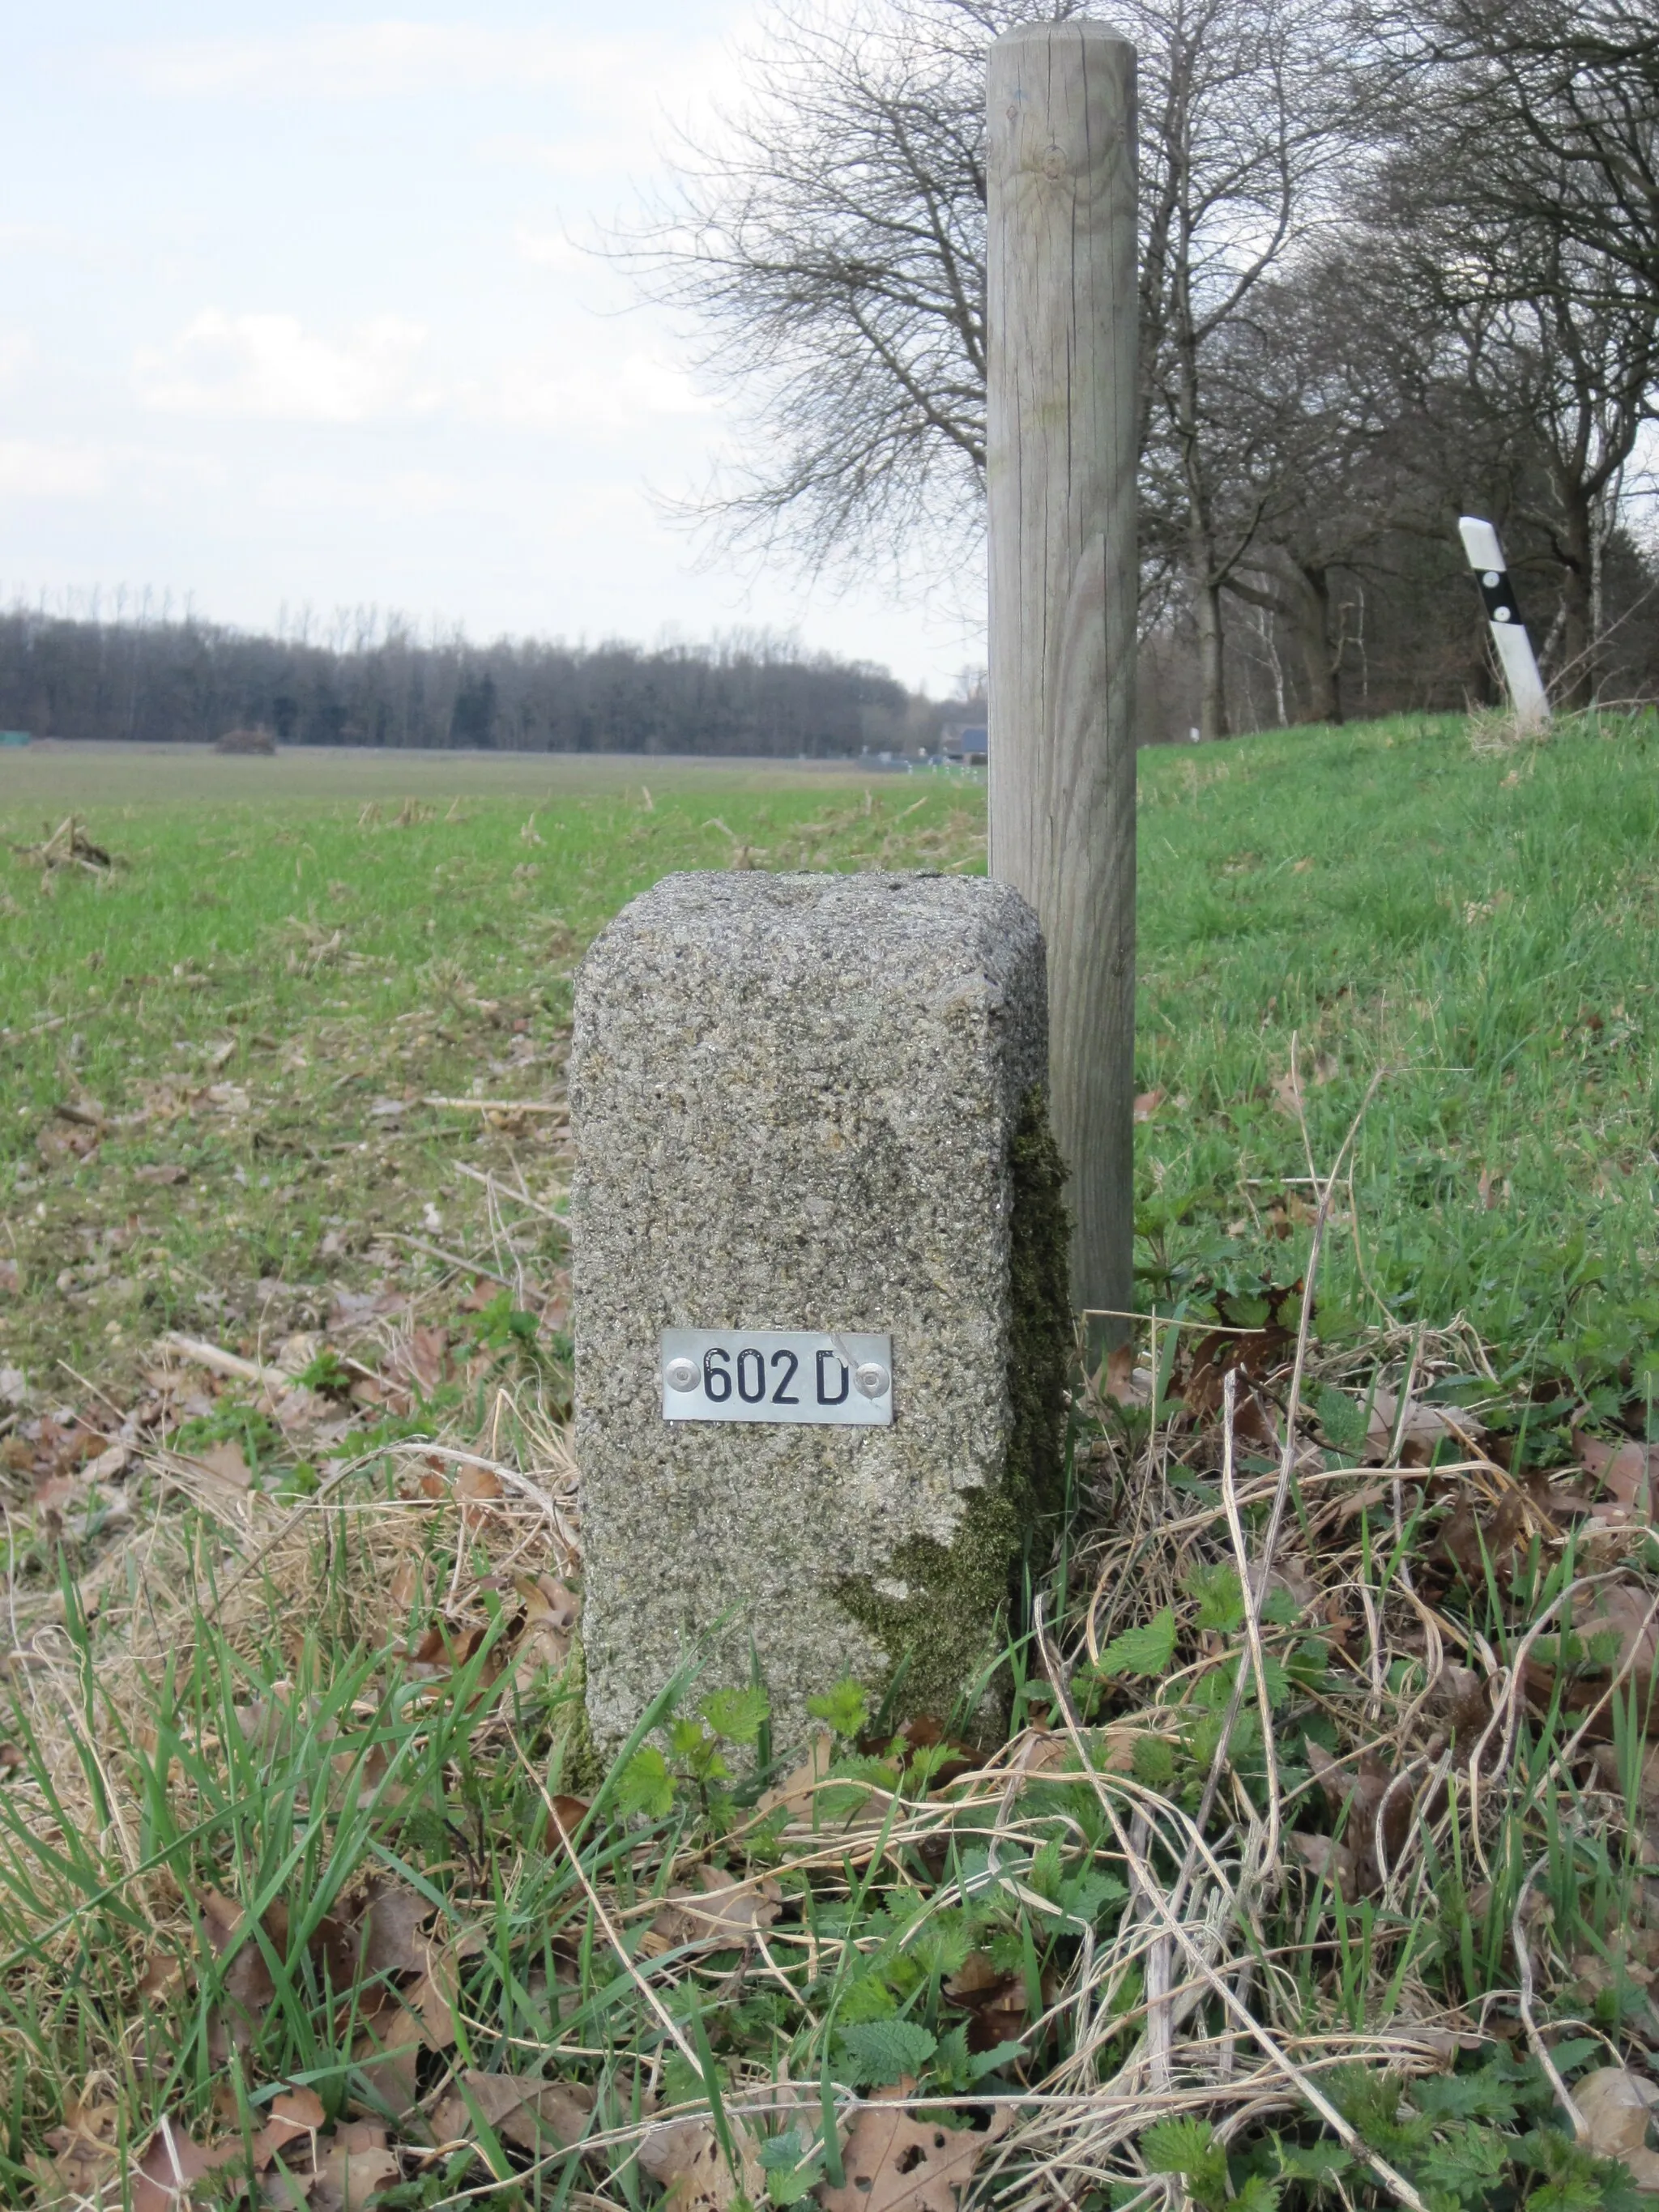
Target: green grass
pixel 309 958
pixel 1476 930
pixel 1473 928
pixel 243 1699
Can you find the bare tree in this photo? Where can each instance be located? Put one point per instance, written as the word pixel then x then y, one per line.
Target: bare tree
pixel 1555 101
pixel 827 242
pixel 1518 204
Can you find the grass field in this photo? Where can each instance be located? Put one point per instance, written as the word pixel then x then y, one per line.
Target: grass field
pixel 323 932
pixel 286 959
pixel 1297 1889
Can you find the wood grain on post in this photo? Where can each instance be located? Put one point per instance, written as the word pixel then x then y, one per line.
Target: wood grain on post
pixel 1062 311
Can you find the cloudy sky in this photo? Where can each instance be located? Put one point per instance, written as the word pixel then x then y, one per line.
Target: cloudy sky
pixel 291 318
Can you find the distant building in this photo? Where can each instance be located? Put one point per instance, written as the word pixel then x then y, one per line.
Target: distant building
pixel 968 742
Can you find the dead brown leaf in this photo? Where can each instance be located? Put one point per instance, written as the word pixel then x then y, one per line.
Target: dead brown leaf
pixel 998 2004
pixel 476 1487
pixel 720 1910
pixel 443 1648
pixel 415 2017
pixel 685 2157
pixel 1119 1382
pixel 567 1814
pixel 551 1610
pixel 295 2114
pixel 1147 1103
pixel 350 2168
pixel 1461 1698
pixel 1332 1862
pixel 226 1460
pixel 173 2163
pixel 1253 1354
pixel 896 2162
pixel 1616 2106
pixel 11 1280
pixel 161 1172
pixel 1374 1817
pixel 81 2165
pixel 247 1988
pixel 1610 1635
pixel 425 1358
pixel 1625 1472
pixel 1424 1428
pixel 532 2114
pixel 390 1918
pixel 1475 1536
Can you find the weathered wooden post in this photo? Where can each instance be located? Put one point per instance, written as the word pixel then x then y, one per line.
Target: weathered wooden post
pixel 1060 460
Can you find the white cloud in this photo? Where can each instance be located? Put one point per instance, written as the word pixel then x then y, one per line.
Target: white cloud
pixel 549 249
pixel 271 364
pixel 357 61
pixel 16 346
pixel 29 469
pixel 403 492
pixel 593 395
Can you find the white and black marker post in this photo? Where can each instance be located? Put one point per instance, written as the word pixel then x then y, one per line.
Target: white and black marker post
pixel 1509 633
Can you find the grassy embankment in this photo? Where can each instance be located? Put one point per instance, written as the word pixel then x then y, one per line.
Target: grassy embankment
pixel 290 1711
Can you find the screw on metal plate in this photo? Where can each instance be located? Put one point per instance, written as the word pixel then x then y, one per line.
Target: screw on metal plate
pixel 870 1379
pixel 1491 580
pixel 681 1374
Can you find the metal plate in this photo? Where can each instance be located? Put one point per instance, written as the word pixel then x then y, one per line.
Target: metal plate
pixel 833 1378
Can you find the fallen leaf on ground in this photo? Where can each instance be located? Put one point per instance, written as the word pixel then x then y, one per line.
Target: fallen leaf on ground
pixel 1460 1697
pixel 1331 1862
pixel 163 1173
pixel 478 1485
pixel 81 2164
pixel 720 1910
pixel 392 1917
pixel 686 2158
pixel 998 2004
pixel 1147 1103
pixel 227 1462
pixel 424 1357
pixel 1423 1428
pixel 896 2162
pixel 174 2162
pixel 296 2112
pixel 551 1610
pixel 1375 1818
pixel 567 1814
pixel 1616 2105
pixel 11 1278
pixel 388 2050
pixel 350 2168
pixel 442 1649
pixel 1120 1380
pixel 247 1988
pixel 808 1795
pixel 1625 1472
pixel 1612 1637
pixel 1473 1538
pixel 529 2113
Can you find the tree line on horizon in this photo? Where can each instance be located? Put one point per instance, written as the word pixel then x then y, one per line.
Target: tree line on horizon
pixel 192 682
